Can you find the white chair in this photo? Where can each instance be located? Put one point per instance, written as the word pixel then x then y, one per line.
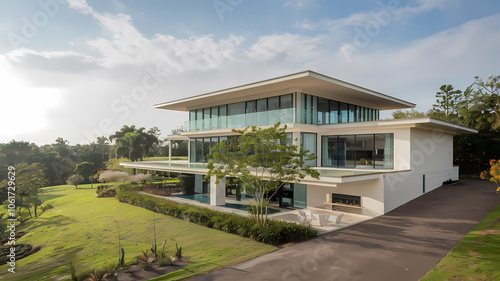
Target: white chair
pixel 319 219
pixel 335 219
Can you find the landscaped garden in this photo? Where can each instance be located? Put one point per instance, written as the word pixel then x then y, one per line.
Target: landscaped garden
pixel 86 233
pixel 476 257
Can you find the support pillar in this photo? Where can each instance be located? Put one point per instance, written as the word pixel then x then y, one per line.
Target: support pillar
pixel 217 192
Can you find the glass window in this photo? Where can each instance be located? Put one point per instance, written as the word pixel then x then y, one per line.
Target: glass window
pixel 206 149
pixel 308 142
pixel 199 150
pixel 236 111
pixel 251 106
pixel 206 118
pixel 384 155
pixel 364 151
pixel 289 138
pixel 192 150
pixel 192 115
pixel 286 101
pixel 273 103
pixel 347 151
pixel 223 116
pixel 261 105
pixel 343 116
pixel 323 111
pixel 299 195
pixel 334 112
pixel 352 113
pixel 199 119
pixel 214 118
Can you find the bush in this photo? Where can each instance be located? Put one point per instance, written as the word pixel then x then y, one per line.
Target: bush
pixel 187 184
pixel 106 192
pixel 274 232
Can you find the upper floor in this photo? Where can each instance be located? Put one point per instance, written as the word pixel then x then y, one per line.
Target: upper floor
pixel 306 97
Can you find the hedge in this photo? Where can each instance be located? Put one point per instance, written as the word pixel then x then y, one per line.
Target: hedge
pixel 274 232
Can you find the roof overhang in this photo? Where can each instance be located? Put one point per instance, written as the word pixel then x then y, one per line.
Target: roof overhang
pixel 309 82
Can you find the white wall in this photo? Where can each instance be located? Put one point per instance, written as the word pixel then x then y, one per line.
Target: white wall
pixel 371 192
pixel 431 154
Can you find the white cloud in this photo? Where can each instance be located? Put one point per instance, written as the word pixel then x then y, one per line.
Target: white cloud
pixel 300 4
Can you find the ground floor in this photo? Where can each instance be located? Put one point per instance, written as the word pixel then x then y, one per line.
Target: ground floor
pixel 403 244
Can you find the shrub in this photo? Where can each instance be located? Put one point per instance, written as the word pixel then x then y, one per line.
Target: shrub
pixel 273 232
pixel 187 184
pixel 74 180
pixel 139 178
pixel 113 176
pixel 106 192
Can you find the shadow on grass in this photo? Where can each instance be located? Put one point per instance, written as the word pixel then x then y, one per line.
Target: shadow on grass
pixel 57 220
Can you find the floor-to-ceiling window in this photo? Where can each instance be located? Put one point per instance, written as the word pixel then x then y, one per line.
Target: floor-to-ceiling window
pixel 308 142
pixel 368 151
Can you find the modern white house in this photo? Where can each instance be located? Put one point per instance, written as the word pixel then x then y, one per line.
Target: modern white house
pixel 366 165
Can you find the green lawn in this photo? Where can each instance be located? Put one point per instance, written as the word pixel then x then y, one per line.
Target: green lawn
pixel 476 257
pixel 165 158
pixel 83 229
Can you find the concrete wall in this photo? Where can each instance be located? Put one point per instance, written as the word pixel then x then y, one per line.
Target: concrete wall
pixel 431 155
pixel 371 192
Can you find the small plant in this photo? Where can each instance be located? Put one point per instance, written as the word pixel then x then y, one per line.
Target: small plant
pixel 96 276
pixel 162 257
pixel 178 252
pixel 146 259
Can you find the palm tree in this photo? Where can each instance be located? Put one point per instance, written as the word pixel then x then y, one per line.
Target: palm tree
pixel 130 146
pixel 102 141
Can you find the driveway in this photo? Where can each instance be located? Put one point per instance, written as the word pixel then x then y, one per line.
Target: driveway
pixel 402 245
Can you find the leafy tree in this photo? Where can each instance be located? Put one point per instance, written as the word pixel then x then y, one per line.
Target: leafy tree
pixel 150 139
pixel 120 134
pixel 29 179
pixel 130 146
pixel 447 101
pixel 85 169
pixel 263 161
pixel 75 180
pixel 403 114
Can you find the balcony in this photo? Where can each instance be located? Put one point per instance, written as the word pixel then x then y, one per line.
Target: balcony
pixel 242 120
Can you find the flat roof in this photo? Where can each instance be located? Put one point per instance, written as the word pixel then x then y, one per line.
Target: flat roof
pixel 308 82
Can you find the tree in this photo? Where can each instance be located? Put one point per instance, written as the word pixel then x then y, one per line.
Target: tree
pixel 85 169
pixel 150 139
pixel 412 113
pixel 29 179
pixel 447 101
pixel 130 146
pixel 263 161
pixel 103 142
pixel 113 176
pixel 74 180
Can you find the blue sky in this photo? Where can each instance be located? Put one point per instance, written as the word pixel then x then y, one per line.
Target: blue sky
pixel 72 68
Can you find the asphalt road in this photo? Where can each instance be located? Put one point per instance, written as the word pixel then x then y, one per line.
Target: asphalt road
pixel 402 245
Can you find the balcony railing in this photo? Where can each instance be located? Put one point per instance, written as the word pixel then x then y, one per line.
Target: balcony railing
pixel 242 120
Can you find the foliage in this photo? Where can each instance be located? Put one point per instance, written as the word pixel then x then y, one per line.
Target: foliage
pixel 272 232
pixel 113 164
pixel 493 173
pixel 403 114
pixel 146 259
pixel 74 180
pixel 130 146
pixel 187 184
pixel 85 169
pixel 106 191
pixel 113 176
pixel 29 178
pixel 139 178
pixel 447 101
pixel 263 161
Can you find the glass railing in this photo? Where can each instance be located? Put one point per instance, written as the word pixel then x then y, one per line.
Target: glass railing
pixel 243 120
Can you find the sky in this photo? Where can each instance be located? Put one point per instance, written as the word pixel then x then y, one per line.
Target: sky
pixel 80 69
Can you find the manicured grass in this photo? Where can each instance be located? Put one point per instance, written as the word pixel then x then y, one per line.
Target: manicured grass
pixel 83 229
pixel 476 257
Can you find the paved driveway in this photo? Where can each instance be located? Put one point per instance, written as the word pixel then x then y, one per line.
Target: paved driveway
pixel 402 245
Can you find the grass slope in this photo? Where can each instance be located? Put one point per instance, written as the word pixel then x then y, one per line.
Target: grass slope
pixel 83 229
pixel 476 257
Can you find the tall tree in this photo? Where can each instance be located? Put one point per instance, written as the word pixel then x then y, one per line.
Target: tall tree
pixel 85 169
pixel 102 142
pixel 403 114
pixel 263 161
pixel 447 101
pixel 130 146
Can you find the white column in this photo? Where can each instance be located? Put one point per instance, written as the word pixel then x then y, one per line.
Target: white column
pixel 170 152
pixel 217 192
